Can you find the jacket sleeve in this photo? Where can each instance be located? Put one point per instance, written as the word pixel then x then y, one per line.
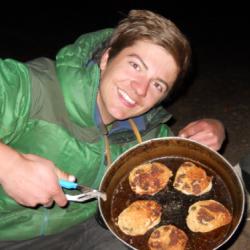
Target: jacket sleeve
pixel 14 99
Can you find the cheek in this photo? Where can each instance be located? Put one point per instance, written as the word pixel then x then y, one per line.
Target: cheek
pixel 105 80
pixel 108 76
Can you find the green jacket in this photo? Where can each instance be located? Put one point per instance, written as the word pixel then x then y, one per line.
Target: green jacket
pixel 49 108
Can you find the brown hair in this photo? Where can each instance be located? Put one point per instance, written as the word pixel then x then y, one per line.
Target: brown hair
pixel 146 25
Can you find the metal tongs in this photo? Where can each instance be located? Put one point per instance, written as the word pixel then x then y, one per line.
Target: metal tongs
pixel 87 193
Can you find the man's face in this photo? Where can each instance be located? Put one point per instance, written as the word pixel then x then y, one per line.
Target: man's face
pixel 139 77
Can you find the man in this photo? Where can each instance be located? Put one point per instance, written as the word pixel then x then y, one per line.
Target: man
pixel 69 118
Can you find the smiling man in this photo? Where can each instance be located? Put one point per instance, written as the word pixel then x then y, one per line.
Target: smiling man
pixel 70 117
pixel 137 79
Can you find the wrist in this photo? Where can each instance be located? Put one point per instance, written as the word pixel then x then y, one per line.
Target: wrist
pixel 9 158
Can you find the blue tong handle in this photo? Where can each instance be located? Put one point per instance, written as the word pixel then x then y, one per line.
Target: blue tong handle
pixel 68 184
pixel 87 193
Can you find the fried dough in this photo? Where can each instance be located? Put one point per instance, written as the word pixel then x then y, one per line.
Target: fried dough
pixel 191 179
pixel 167 237
pixel 207 215
pixel 149 178
pixel 139 217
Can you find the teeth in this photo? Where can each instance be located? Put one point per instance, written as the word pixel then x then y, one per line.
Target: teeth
pixel 126 97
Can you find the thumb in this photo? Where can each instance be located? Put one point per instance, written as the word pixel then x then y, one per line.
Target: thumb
pixel 64 176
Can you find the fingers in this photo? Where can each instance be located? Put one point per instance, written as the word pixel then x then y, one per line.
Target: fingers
pixel 51 196
pixel 56 195
pixel 48 204
pixel 60 198
pixel 209 132
pixel 64 176
pixel 191 129
pixel 207 139
pixel 60 202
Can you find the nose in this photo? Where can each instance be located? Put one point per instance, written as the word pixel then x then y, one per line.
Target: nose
pixel 140 87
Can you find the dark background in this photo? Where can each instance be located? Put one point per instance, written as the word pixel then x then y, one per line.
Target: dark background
pixel 219 85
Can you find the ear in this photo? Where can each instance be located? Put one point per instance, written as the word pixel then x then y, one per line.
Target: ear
pixel 104 59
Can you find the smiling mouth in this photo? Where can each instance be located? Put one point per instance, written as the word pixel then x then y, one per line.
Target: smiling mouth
pixel 125 96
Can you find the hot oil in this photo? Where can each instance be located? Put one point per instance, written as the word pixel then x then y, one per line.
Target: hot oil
pixel 175 208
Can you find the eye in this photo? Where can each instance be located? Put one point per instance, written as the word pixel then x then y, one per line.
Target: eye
pixel 135 66
pixel 161 87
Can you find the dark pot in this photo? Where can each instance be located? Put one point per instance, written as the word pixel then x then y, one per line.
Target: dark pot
pixel 227 188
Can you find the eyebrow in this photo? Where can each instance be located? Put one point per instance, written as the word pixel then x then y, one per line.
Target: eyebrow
pixel 146 67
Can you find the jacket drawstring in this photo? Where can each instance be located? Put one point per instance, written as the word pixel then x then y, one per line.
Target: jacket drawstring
pixel 107 145
pixel 107 150
pixel 135 130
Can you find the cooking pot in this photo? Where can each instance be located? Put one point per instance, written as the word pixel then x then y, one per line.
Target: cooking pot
pixel 227 188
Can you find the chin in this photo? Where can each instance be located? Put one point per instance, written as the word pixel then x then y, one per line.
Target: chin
pixel 120 116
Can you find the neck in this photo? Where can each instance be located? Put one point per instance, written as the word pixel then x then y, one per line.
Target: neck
pixel 105 116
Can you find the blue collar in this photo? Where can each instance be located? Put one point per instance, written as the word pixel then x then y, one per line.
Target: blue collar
pixel 119 126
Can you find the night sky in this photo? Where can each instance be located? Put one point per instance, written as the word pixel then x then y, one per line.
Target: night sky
pixel 40 30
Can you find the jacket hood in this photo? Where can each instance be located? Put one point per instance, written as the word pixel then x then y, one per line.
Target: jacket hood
pixel 79 76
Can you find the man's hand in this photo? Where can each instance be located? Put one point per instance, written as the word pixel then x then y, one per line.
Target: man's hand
pixel 209 132
pixel 32 180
